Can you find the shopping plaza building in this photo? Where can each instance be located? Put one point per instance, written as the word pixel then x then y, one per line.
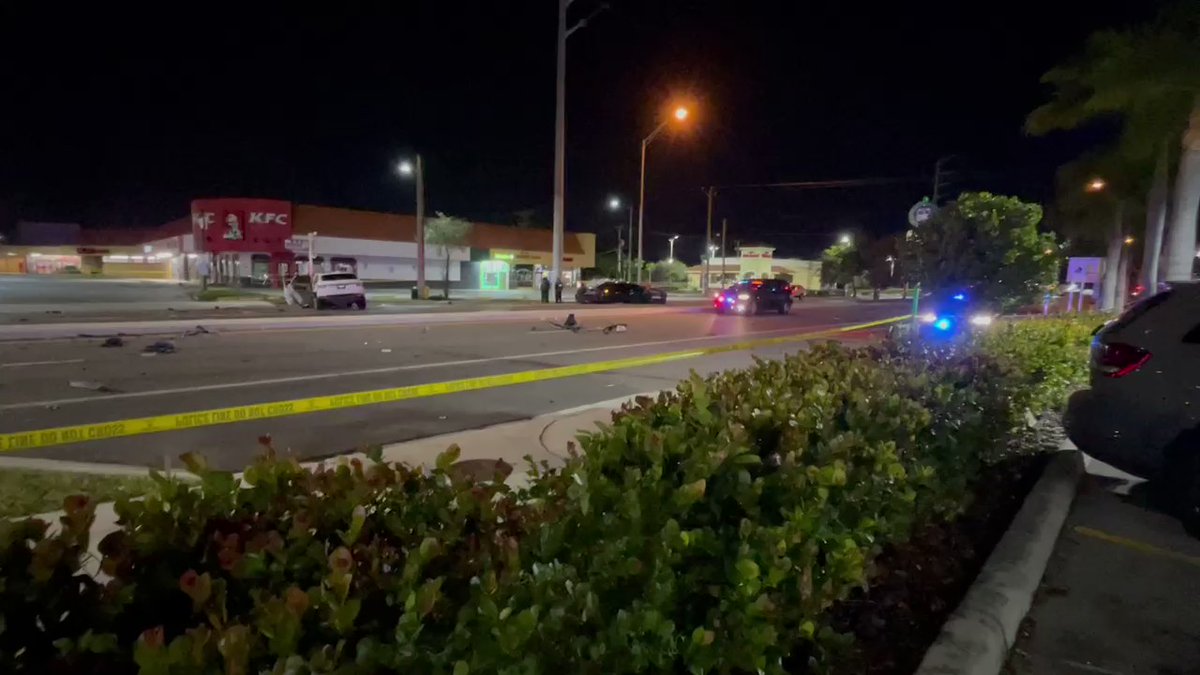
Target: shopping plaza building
pixel 264 241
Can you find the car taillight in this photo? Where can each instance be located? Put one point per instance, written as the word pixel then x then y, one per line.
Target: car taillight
pixel 1117 359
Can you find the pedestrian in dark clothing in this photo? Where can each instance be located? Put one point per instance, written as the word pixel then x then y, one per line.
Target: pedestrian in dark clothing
pixel 545 289
pixel 558 292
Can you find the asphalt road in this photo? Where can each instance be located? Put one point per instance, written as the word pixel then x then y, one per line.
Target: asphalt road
pixel 241 368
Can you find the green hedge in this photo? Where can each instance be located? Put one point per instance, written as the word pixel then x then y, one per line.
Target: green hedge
pixel 706 531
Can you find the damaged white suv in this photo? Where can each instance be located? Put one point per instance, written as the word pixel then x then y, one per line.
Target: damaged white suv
pixel 328 289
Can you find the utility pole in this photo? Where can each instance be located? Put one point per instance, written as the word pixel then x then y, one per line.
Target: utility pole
pixel 560 130
pixel 422 291
pixel 724 232
pixel 939 168
pixel 620 248
pixel 711 192
pixel 629 251
pixel 560 143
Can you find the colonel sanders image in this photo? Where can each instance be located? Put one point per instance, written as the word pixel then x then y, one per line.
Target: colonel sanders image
pixel 233 226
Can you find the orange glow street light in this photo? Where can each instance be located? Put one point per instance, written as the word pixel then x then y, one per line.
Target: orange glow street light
pixel 680 115
pixel 1096 185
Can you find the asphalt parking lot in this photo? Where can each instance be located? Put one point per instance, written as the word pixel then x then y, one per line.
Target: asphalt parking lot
pixel 1121 594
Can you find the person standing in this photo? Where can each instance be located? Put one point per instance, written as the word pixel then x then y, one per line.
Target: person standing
pixel 546 290
pixel 558 286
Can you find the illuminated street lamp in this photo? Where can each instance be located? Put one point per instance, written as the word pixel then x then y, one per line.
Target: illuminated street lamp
pixel 680 115
pixel 671 255
pixel 614 204
pixel 1096 185
pixel 844 239
pixel 416 170
pixel 891 267
pixel 1129 241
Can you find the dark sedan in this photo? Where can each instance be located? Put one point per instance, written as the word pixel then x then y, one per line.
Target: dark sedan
pixel 620 291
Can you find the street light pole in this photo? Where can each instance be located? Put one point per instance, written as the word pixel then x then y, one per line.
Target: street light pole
pixel 416 169
pixel 680 114
pixel 671 243
pixel 711 191
pixel 422 292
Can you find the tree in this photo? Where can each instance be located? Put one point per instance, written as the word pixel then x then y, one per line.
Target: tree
pixel 841 264
pixel 1148 78
pixel 1094 215
pixel 988 242
pixel 447 232
pixel 667 270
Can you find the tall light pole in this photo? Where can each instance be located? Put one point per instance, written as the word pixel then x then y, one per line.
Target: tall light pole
pixel 671 243
pixel 560 130
pixel 417 171
pixel 614 204
pixel 680 115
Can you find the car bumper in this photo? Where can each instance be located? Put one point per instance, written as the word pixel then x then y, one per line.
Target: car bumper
pixel 341 300
pixel 1100 428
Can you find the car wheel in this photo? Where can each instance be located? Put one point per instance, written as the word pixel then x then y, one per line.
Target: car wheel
pixel 360 303
pixel 1182 477
pixel 785 307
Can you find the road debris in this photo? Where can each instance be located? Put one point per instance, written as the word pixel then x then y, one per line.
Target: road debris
pixel 386 351
pixel 159 347
pixel 569 324
pixel 91 386
pixel 113 341
pixel 616 328
pixel 198 330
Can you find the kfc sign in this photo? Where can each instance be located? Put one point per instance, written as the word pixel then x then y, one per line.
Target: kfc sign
pixel 241 225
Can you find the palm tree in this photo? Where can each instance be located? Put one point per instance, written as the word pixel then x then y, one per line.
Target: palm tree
pixel 1149 80
pixel 1083 201
pixel 447 232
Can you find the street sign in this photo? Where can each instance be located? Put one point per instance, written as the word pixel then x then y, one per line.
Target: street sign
pixel 1084 270
pixel 921 212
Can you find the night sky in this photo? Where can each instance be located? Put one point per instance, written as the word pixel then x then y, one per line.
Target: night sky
pixel 117 116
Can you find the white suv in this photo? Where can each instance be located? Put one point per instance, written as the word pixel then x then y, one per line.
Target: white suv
pixel 1142 412
pixel 331 289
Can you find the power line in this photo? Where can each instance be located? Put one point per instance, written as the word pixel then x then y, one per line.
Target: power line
pixel 823 184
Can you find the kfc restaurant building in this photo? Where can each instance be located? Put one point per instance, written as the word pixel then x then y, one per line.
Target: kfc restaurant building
pixel 264 241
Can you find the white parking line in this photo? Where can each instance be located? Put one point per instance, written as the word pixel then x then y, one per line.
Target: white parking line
pixel 394 369
pixel 26 364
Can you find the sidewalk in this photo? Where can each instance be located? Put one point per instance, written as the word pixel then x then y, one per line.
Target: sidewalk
pixel 1121 594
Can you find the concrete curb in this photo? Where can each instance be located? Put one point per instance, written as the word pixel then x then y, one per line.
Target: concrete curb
pixel 976 638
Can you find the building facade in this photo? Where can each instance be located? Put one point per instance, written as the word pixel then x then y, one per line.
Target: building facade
pixel 755 262
pixel 262 242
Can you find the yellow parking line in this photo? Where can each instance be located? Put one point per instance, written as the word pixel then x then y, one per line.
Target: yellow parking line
pixel 1139 546
pixel 42 438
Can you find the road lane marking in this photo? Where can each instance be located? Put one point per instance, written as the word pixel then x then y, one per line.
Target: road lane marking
pixel 41 438
pixel 25 364
pixel 381 370
pixel 1139 546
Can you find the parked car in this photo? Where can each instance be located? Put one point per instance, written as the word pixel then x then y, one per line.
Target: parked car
pixel 754 296
pixel 330 289
pixel 1142 411
pixel 620 291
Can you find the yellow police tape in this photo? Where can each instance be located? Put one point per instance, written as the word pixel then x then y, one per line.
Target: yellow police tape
pixel 42 438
